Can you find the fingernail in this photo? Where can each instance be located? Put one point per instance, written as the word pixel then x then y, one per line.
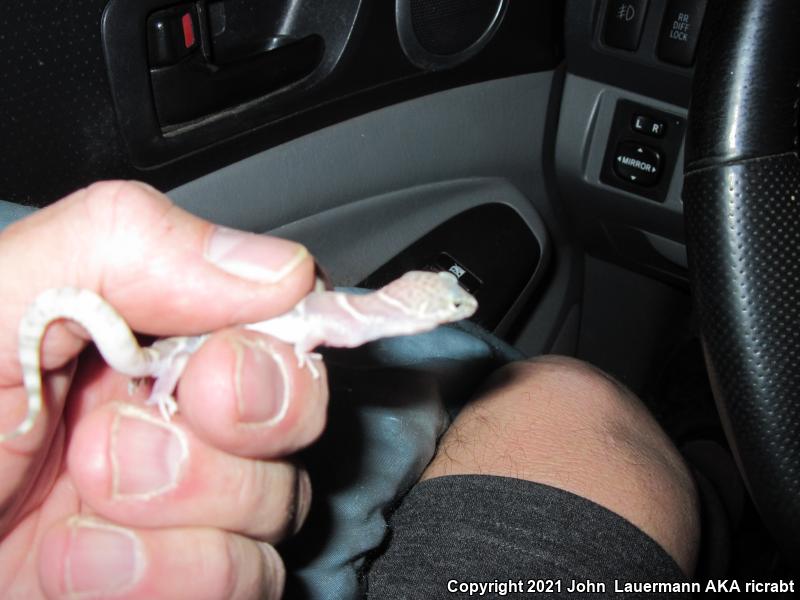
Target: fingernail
pixel 102 559
pixel 147 454
pixel 261 382
pixel 259 258
pixel 274 571
pixel 303 499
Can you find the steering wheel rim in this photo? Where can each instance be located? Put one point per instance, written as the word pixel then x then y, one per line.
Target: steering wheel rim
pixel 742 212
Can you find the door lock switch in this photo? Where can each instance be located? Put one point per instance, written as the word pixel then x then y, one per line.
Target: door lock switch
pixel 171 35
pixel 467 280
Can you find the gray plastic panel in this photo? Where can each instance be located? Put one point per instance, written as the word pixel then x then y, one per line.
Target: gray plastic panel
pixel 396 173
pixel 391 222
pixel 640 70
pixel 490 129
pixel 587 110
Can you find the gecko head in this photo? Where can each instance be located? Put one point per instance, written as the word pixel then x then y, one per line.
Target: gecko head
pixel 432 297
pixel 460 303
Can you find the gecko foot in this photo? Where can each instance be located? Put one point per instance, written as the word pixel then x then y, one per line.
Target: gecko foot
pixel 133 384
pixel 308 358
pixel 166 405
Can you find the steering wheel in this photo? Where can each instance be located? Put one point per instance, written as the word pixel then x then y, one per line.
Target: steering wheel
pixel 742 211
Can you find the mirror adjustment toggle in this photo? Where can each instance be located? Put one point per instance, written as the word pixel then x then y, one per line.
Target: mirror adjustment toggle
pixel 642 150
pixel 648 126
pixel 624 23
pixel 637 163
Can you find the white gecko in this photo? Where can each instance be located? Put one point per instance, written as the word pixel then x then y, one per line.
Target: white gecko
pixel 416 302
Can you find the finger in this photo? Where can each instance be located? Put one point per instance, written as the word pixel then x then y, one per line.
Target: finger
pixel 242 391
pixel 85 557
pixel 164 270
pixel 30 463
pixel 134 468
pixel 246 393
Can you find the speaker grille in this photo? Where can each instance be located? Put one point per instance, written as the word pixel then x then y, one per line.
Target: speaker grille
pixel 450 26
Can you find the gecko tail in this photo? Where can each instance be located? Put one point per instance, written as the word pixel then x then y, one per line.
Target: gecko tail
pixel 81 306
pixel 30 335
pixel 22 428
pixel 34 408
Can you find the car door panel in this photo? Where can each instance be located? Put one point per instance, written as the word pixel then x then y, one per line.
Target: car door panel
pixel 61 111
pixel 385 142
pixel 362 190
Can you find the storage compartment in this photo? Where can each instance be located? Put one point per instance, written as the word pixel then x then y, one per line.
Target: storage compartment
pixel 489 248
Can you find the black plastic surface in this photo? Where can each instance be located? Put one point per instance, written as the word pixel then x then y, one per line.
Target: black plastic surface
pixel 622 26
pixel 637 163
pixel 743 235
pixel 744 249
pixel 649 126
pixel 439 34
pixel 172 35
pixel 195 88
pixel 680 31
pixel 731 100
pixel 641 71
pixel 448 27
pixel 491 241
pixel 249 49
pixel 466 278
pixel 122 34
pixel 624 140
pixel 60 130
pixel 240 29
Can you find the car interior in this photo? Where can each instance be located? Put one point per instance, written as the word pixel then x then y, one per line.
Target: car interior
pixel 613 180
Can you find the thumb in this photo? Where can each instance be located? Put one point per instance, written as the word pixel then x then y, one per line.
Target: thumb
pixel 166 272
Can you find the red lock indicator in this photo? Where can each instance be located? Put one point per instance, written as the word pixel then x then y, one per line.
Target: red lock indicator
pixel 188 30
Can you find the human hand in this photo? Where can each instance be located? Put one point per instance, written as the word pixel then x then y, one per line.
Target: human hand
pixel 103 498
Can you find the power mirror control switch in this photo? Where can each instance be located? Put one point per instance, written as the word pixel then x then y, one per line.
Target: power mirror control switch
pixel 623 23
pixel 635 160
pixel 680 31
pixel 637 163
pixel 648 126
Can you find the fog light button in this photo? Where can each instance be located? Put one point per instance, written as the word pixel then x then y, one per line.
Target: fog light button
pixel 637 163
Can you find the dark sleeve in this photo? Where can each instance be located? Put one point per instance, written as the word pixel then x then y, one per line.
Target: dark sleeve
pixel 529 539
